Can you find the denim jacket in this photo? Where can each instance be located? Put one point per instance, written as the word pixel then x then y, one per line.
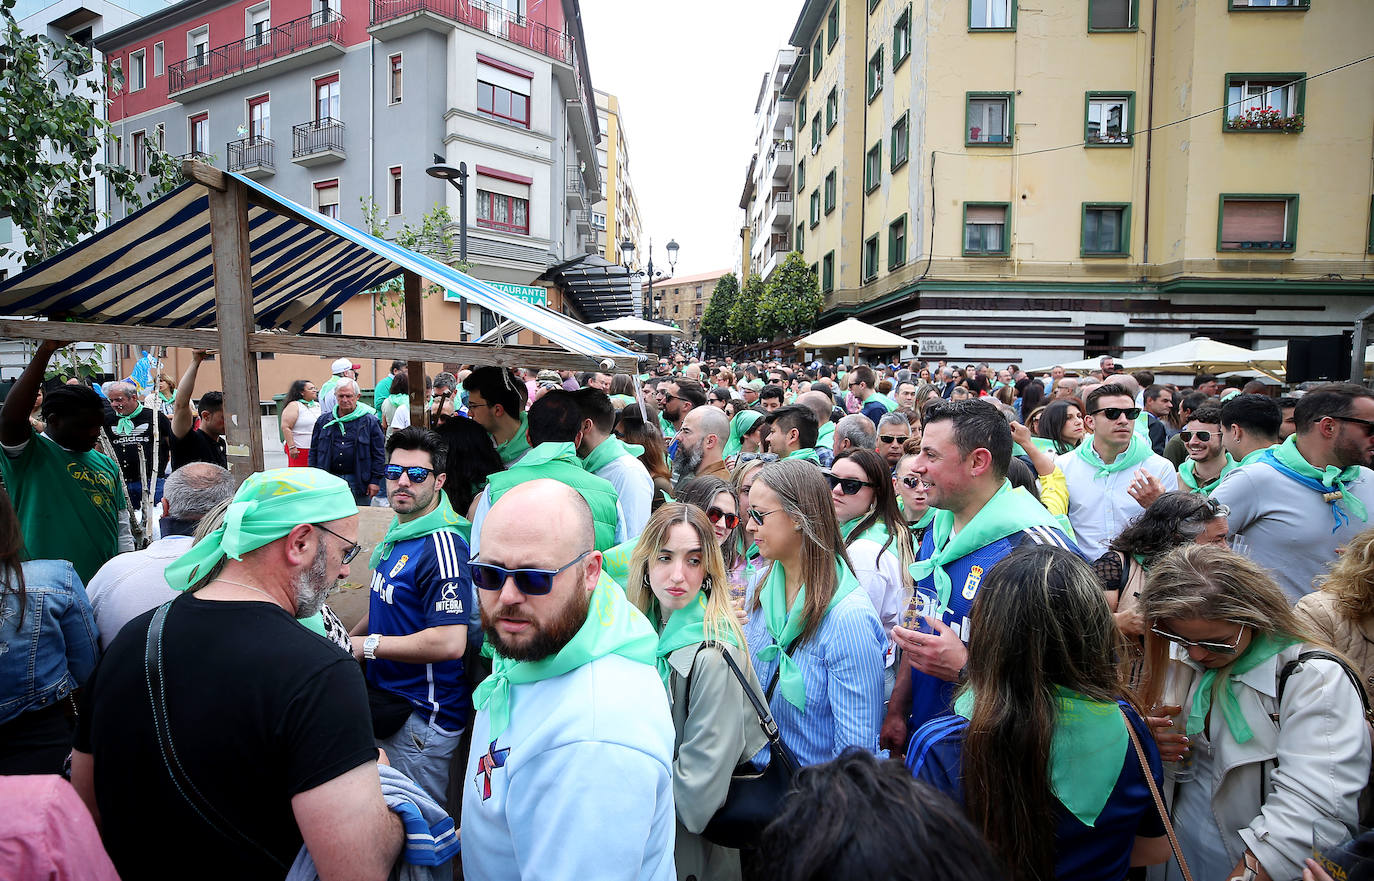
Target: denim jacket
pixel 53 648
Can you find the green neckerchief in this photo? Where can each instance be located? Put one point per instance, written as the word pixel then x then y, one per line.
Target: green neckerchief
pixel 740 424
pixel 608 451
pixel 785 625
pixel 888 403
pixel 686 626
pixel 552 451
pixel 518 445
pixel 1048 444
pixel 1255 455
pixel 615 562
pixel 805 453
pixel 669 432
pixel 623 400
pixel 329 385
pixel 126 423
pixel 358 412
pixel 1087 748
pixel 398 400
pixel 167 399
pixel 1008 512
pixel 1262 647
pixel 442 517
pixel 877 532
pixel 1187 473
pixel 926 519
pixel 613 627
pixel 1137 452
pixel 825 437
pixel 1331 477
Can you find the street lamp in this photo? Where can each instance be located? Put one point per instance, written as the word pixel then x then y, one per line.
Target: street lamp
pixel 459 178
pixel 627 250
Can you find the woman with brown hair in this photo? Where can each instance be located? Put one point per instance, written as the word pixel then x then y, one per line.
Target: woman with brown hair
pixel 1342 611
pixel 633 428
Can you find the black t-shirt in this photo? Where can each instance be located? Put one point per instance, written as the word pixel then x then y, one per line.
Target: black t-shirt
pixel 126 446
pixel 259 709
pixel 197 446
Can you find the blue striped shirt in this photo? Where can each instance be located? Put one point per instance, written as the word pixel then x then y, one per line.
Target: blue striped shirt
pixel 842 666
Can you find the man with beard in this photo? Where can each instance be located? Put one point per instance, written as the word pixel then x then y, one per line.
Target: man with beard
pixel 243 733
pixel 675 400
pixel 701 443
pixel 415 631
pixel 1207 461
pixel 570 772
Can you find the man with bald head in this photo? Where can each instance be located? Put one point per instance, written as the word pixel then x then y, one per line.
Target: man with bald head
pixel 701 443
pixel 570 771
pixel 822 405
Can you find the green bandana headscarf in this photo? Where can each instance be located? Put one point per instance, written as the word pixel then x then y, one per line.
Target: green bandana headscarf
pixel 1006 513
pixel 268 506
pixel 1330 477
pixel 608 451
pixel 1187 473
pixel 785 625
pixel 1262 647
pixel 741 424
pixel 613 627
pixel 518 445
pixel 442 517
pixel 358 412
pixel 1087 748
pixel 126 423
pixel 686 626
pixel 1137 452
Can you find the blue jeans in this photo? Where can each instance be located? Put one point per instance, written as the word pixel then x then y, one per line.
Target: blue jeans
pixel 423 754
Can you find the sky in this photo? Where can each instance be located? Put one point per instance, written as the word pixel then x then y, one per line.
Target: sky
pixel 687 76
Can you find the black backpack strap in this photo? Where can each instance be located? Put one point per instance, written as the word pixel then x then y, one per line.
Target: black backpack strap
pixel 1293 665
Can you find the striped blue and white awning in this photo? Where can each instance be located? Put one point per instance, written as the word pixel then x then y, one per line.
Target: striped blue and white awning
pixel 154 269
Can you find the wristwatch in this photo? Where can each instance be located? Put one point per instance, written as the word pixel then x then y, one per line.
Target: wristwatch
pixel 370 646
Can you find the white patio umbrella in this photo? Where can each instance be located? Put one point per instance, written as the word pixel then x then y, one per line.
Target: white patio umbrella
pixel 1080 367
pixel 853 334
pixel 1198 355
pixel 631 324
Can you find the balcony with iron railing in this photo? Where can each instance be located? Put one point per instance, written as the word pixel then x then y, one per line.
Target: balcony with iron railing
pixel 393 18
pixel 577 189
pixel 780 209
pixel 317 142
pixel 252 156
pixel 780 161
pixel 280 48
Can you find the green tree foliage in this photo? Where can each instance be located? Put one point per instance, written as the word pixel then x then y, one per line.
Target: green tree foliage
pixel 744 314
pixel 715 324
pixel 50 141
pixel 433 237
pixel 792 302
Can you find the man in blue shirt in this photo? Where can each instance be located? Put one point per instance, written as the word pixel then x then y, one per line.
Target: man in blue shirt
pixel 416 628
pixel 965 451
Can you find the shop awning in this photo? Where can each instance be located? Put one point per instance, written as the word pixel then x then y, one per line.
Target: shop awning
pixel 598 288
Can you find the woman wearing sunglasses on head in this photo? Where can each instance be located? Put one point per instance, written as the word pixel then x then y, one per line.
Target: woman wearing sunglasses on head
pixel 875 536
pixel 1277 742
pixel 677 579
pixel 812 630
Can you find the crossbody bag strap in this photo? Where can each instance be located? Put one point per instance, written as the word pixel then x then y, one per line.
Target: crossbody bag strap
pixel 770 727
pixel 1159 800
pixel 1293 665
pixel 152 662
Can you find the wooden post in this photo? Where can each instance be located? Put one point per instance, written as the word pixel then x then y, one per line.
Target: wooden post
pixel 234 315
pixel 415 333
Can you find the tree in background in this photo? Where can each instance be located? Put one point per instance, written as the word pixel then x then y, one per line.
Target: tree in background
pixel 433 238
pixel 744 314
pixel 792 302
pixel 715 324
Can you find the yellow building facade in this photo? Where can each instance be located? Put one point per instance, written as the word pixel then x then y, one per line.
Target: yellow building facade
pixel 984 177
pixel 616 217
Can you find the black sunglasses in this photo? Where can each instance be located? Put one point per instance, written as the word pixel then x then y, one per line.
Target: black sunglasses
pixel 1202 435
pixel 531 582
pixel 351 549
pixel 893 438
pixel 1368 425
pixel 1114 413
pixel 716 514
pixel 911 482
pixel 848 485
pixel 414 472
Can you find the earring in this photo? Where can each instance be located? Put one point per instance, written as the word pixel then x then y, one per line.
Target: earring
pixel 706 585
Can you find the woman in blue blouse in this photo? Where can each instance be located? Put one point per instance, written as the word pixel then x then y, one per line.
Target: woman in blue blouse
pixel 813 632
pixel 1037 749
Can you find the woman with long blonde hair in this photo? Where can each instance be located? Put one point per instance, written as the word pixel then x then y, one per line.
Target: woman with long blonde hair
pixel 677 578
pixel 1342 611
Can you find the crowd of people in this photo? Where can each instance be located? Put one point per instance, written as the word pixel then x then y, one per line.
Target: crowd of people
pixel 720 620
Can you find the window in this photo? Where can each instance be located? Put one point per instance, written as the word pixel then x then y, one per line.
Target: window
pixel 989 119
pixel 699 291
pixel 501 103
pixel 801 228
pixel 801 175
pixel 198 47
pixel 199 134
pixel 598 220
pixel 1110 119
pixel 1257 222
pixel 117 151
pixel 832 108
pixel 896 243
pixel 830 191
pixel 1106 229
pixel 116 76
pixel 140 150
pixel 816 271
pixel 817 56
pixel 871 257
pixel 327 98
pixel 321 12
pixel 258 26
pixel 393 87
pixel 873 167
pixel 1270 4
pixel 801 110
pixel 160 136
pixel 159 60
pixel 332 323
pixel 1111 15
pixel 992 15
pixel 985 228
pixel 815 207
pixel 901 39
pixel 815 132
pixel 901 141
pixel 327 198
pixel 394 177
pixel 1264 102
pixel 828 272
pixel 138 74
pixel 875 75
pixel 502 212
pixel 832 23
pixel 259 118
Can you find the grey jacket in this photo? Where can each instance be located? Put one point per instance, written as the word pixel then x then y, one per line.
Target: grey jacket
pixel 716 730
